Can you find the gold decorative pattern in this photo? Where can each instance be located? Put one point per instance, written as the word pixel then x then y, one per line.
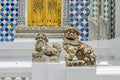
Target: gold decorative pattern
pixel 38 5
pixel 52 4
pixel 44 13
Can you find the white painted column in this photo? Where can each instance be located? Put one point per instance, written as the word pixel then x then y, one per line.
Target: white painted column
pixel 26 13
pixel 117 18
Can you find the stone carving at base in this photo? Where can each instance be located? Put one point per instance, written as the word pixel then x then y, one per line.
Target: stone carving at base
pixel 78 53
pixel 44 52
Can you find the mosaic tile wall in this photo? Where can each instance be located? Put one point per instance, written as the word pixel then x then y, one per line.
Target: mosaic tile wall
pixel 78 13
pixel 105 29
pixel 107 13
pixel 95 10
pixel 106 9
pixel 8 19
pixel 113 9
pixel 93 21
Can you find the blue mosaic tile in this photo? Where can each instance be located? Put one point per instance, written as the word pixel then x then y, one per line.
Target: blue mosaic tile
pixel 106 8
pixel 79 13
pixel 8 19
pixel 95 10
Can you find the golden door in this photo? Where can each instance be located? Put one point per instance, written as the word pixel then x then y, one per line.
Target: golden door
pixel 44 12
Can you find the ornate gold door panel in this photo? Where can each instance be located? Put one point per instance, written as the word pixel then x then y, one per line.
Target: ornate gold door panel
pixel 36 13
pixel 44 13
pixel 53 12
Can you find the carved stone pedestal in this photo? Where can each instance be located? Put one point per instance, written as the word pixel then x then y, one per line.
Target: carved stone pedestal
pixel 46 59
pixel 108 70
pixel 75 63
pixel 48 71
pixel 39 60
pixel 78 73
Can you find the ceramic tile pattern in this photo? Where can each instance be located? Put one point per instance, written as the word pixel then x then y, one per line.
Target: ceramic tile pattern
pixel 108 14
pixel 112 29
pixel 106 9
pixel 79 13
pixel 95 10
pixel 8 19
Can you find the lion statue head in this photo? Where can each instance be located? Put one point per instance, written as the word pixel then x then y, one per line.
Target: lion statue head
pixel 71 33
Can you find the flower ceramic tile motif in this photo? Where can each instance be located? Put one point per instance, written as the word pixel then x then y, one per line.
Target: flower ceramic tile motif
pixel 79 12
pixel 8 19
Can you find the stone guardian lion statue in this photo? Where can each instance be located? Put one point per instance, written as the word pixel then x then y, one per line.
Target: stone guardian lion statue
pixel 78 53
pixel 44 52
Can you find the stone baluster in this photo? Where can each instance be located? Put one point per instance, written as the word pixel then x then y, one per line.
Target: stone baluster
pixel 13 78
pixel 28 78
pixel 23 78
pixel 3 78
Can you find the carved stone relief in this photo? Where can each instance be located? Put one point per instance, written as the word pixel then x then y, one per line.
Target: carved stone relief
pixel 21 12
pixel 66 12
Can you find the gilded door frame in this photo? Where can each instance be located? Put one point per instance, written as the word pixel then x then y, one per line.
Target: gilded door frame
pixel 23 31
